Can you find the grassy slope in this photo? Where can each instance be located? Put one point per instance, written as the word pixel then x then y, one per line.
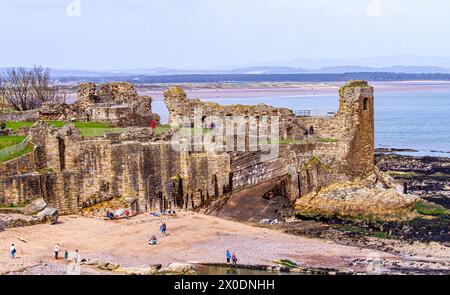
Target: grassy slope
pixel 10 140
pixel 26 150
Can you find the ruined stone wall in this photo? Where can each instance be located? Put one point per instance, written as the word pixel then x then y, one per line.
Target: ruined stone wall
pixel 72 172
pixel 182 110
pixel 352 127
pixel 20 165
pixel 117 104
pixel 26 116
pixel 19 189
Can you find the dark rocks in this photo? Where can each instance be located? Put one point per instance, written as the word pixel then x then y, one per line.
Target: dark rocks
pixel 427 177
pixel 6 132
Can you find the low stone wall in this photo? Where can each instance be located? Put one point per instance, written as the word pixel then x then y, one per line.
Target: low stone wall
pixel 32 116
pixel 23 164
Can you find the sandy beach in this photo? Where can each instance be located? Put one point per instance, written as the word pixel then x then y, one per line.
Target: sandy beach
pixel 192 238
pixel 263 90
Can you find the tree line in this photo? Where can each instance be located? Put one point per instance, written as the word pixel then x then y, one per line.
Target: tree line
pixel 26 89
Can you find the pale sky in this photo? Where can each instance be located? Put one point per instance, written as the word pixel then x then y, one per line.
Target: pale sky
pixel 128 34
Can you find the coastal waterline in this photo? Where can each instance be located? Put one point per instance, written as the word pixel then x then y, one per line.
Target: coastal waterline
pixel 403 120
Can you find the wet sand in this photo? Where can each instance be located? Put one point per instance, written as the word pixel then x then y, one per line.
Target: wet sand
pixel 254 90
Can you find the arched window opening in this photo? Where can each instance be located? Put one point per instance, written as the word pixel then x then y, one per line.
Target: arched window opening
pixel 366 103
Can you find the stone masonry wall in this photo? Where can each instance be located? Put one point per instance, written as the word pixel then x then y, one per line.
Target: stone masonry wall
pixel 72 172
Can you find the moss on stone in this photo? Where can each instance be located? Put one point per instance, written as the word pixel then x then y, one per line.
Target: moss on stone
pixel 315 161
pixel 427 208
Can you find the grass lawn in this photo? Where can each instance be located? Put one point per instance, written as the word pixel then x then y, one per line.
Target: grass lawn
pixel 26 150
pixel 10 140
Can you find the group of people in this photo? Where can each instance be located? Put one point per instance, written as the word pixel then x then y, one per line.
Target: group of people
pixel 76 256
pixel 231 258
pixel 110 215
pixel 56 250
pixel 162 229
pixel 168 212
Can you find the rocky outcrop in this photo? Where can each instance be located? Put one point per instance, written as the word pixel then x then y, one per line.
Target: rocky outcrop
pixel 141 271
pixel 34 213
pixel 35 207
pixel 178 268
pixel 427 177
pixel 358 199
pixel 50 214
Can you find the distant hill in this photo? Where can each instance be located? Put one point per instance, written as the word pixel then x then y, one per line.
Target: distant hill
pixel 375 68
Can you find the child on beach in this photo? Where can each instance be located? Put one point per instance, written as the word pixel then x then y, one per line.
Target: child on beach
pixel 153 240
pixel 234 259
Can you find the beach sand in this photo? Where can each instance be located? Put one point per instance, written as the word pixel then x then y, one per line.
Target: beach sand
pixel 192 238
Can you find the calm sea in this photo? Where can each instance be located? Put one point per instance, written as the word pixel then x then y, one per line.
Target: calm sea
pixel 413 120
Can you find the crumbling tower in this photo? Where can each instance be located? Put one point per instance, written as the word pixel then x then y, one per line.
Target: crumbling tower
pixel 356 113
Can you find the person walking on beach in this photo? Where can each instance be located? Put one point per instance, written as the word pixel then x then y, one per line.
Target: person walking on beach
pixel 228 254
pixel 234 259
pixel 77 257
pixel 56 251
pixel 161 227
pixel 164 229
pixel 13 251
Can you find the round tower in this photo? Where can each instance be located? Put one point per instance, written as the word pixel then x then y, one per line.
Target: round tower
pixel 357 113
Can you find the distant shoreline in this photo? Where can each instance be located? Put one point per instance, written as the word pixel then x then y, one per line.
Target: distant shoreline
pixel 231 90
pixel 285 89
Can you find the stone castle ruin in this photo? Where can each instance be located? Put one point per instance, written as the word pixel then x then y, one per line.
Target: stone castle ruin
pixel 117 104
pixel 316 157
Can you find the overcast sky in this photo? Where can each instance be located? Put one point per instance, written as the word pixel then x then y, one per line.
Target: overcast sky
pixel 127 34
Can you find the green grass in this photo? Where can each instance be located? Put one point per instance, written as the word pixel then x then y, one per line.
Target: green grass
pixel 10 140
pixel 26 150
pixel 402 174
pixel 381 235
pixel 430 209
pixel 162 129
pixel 16 125
pixel 328 139
pixel 288 263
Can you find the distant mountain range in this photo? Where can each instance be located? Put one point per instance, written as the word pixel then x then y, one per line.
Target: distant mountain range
pixel 408 64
